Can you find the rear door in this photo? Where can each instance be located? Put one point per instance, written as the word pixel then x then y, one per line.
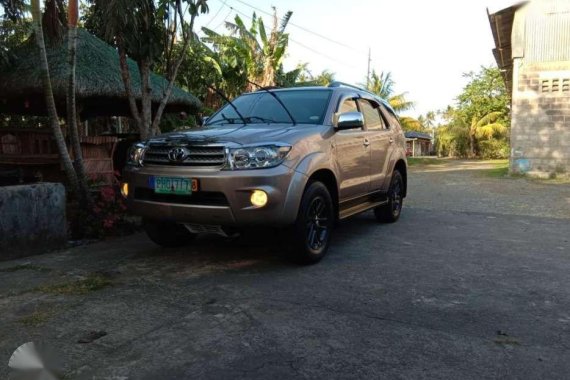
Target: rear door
pixel 378 136
pixel 352 157
pixel 395 137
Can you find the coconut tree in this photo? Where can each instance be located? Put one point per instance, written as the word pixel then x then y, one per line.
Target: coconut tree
pixel 487 127
pixel 383 85
pixel 72 16
pixel 49 99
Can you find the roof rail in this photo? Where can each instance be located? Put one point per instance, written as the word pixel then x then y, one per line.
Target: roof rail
pixel 342 84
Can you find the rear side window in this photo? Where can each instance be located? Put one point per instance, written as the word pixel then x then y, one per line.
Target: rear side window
pixel 390 118
pixel 372 117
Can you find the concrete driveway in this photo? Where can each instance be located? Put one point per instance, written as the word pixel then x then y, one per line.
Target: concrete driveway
pixel 454 292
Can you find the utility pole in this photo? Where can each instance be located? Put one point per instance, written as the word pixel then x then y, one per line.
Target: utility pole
pixel 368 72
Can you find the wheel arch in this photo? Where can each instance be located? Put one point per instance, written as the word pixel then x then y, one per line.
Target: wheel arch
pixel 403 169
pixel 327 177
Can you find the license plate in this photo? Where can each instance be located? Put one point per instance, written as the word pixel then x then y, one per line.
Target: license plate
pixel 175 185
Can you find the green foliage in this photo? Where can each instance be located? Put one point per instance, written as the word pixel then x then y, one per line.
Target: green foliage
pixel 383 85
pixel 252 53
pixel 12 34
pixel 478 125
pixel 494 149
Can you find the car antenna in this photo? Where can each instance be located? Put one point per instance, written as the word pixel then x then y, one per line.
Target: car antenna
pixel 221 94
pixel 268 90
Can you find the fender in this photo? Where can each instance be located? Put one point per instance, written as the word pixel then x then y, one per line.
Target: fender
pixel 304 169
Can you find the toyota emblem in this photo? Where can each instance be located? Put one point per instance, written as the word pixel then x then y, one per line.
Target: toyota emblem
pixel 178 154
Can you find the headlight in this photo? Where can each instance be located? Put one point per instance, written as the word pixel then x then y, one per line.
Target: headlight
pixel 136 154
pixel 257 157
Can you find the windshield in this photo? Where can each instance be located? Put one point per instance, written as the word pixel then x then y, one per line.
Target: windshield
pixel 306 107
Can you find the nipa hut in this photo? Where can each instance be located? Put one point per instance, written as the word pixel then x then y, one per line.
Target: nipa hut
pixel 100 91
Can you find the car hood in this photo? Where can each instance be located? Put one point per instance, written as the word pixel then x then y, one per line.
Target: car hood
pixel 239 134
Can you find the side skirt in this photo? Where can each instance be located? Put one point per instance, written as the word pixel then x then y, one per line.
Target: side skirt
pixel 351 207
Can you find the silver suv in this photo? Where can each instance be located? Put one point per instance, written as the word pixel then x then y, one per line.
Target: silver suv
pixel 301 157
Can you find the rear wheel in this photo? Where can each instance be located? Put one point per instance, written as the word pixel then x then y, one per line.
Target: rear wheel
pixel 390 212
pixel 168 235
pixel 314 224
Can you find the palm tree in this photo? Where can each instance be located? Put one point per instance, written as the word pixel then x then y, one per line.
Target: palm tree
pixel 49 99
pixel 383 86
pixel 430 120
pixel 485 128
pixel 72 16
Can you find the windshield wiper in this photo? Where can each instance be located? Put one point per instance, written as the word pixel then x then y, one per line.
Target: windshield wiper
pixel 230 120
pixel 229 102
pixel 262 119
pixel 278 100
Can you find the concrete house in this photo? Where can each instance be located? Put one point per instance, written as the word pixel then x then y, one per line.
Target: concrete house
pixel 418 144
pixel 532 42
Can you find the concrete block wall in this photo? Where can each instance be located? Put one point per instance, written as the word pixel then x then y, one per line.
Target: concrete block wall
pixel 32 219
pixel 540 133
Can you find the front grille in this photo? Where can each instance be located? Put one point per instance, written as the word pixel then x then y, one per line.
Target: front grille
pixel 209 156
pixel 199 198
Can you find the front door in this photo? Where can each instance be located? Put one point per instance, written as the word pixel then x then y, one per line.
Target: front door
pixel 352 154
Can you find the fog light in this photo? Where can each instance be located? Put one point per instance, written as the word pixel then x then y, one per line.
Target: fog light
pixel 258 198
pixel 125 189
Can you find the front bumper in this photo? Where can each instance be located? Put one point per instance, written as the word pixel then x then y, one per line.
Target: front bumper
pixel 223 197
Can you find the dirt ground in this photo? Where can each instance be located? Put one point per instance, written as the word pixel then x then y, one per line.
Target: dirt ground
pixel 471 283
pixel 481 186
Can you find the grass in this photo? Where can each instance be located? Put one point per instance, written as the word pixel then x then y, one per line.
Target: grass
pixel 506 341
pixel 500 169
pixel 91 283
pixel 416 161
pixel 36 319
pixel 26 266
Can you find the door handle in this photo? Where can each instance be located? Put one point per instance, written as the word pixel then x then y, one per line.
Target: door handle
pixel 366 142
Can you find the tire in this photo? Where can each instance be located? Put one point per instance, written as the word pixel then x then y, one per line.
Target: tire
pixel 314 224
pixel 168 235
pixel 390 212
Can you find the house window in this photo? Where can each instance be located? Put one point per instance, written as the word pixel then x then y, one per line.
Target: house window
pixel 555 85
pixel 545 85
pixel 566 85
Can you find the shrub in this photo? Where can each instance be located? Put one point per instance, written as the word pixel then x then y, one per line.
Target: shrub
pixel 493 149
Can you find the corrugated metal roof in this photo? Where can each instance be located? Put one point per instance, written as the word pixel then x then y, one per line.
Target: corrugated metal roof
pixel 501 27
pixel 417 135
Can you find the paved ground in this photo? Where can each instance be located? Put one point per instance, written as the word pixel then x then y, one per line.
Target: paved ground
pixel 476 289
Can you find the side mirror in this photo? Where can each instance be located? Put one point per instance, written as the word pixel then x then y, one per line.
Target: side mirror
pixel 349 120
pixel 201 120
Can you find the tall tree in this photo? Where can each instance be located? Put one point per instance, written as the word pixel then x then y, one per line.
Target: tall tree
pixel 148 32
pixel 49 99
pixel 258 53
pixel 487 127
pixel 383 85
pixel 83 188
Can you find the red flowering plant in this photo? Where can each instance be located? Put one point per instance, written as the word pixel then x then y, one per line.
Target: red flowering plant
pixel 108 216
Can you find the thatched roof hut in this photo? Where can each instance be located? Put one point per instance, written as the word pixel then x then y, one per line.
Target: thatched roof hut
pixel 100 89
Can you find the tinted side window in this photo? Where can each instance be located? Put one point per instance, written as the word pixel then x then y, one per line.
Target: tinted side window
pixel 390 118
pixel 371 116
pixel 349 105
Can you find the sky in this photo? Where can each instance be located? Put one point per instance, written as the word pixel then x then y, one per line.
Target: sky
pixel 426 45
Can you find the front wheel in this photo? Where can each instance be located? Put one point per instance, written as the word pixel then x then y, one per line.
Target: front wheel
pixel 391 211
pixel 169 235
pixel 315 221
